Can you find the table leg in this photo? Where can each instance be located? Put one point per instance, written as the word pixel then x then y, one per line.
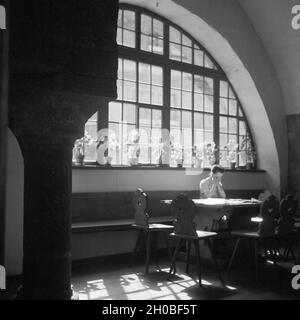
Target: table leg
pixel 197 251
pixel 174 257
pixel 233 255
pixel 215 261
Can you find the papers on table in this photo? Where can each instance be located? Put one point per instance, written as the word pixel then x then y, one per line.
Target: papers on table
pixel 221 202
pixel 225 202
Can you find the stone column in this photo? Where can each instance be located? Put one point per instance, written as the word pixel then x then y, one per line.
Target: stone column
pixel 47 217
pixel 46 128
pixel 63 62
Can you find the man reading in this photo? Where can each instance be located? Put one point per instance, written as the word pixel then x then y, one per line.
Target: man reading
pixel 211 187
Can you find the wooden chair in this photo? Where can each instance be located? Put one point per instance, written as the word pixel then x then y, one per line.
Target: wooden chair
pixel 185 231
pixel 265 234
pixel 286 231
pixel 149 230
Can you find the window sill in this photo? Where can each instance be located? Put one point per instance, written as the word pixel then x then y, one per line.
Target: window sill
pixel 93 166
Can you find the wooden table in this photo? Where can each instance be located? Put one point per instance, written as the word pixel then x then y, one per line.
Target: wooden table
pixel 236 212
pixel 222 203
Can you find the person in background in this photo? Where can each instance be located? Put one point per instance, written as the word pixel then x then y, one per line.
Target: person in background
pixel 211 187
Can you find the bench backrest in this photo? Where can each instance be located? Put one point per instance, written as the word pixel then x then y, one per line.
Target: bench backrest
pixel 141 206
pixel 269 211
pixel 287 210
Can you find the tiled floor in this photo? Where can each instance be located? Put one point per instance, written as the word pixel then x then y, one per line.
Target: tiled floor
pixel 114 280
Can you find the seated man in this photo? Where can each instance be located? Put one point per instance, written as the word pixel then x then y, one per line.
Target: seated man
pixel 211 187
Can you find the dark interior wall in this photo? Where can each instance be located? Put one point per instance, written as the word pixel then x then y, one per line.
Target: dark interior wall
pixel 293 124
pixel 3 121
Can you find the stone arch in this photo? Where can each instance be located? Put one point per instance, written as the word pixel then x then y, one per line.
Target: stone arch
pixel 262 102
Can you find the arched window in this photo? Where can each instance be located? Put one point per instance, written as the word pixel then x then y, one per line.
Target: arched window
pixel 167 80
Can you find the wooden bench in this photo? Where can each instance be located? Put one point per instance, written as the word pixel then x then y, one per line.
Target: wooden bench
pixel 112 225
pixel 113 211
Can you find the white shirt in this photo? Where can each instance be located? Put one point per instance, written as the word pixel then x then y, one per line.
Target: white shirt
pixel 206 186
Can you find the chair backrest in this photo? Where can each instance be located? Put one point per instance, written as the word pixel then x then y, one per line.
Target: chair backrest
pixel 269 211
pixel 141 205
pixel 184 210
pixel 287 210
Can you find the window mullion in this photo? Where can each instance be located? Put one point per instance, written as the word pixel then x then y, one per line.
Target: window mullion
pixel 167 82
pixel 216 113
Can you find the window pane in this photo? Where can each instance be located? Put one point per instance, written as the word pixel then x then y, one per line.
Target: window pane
pixel 232 138
pixel 175 119
pixel 223 140
pixel 120 68
pixel 156 118
pixel 158 28
pixel 129 70
pixel 146 24
pixel 223 106
pixel 175 79
pixel 198 57
pixel 198 120
pixel 242 128
pixel 174 35
pixel 223 89
pixel 129 113
pixel 199 84
pixel 90 146
pixel 128 38
pixel 120 36
pixel 187 54
pixel 120 89
pixel 186 119
pixel 208 63
pixel 129 91
pixel 145 117
pixel 232 123
pixel 208 122
pixel 186 41
pixel 144 93
pixel 115 112
pixel 208 103
pixel 145 136
pixel 186 81
pixel 157 94
pixel 209 86
pixel 120 18
pixel 158 46
pixel 144 73
pixel 93 117
pixel 198 136
pixel 129 20
pixel 186 100
pixel 208 136
pixel 223 124
pixel 223 159
pixel 175 51
pixel 241 114
pixel 198 102
pixel 157 75
pixel 115 135
pixel 175 98
pixel 146 43
pixel 232 107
